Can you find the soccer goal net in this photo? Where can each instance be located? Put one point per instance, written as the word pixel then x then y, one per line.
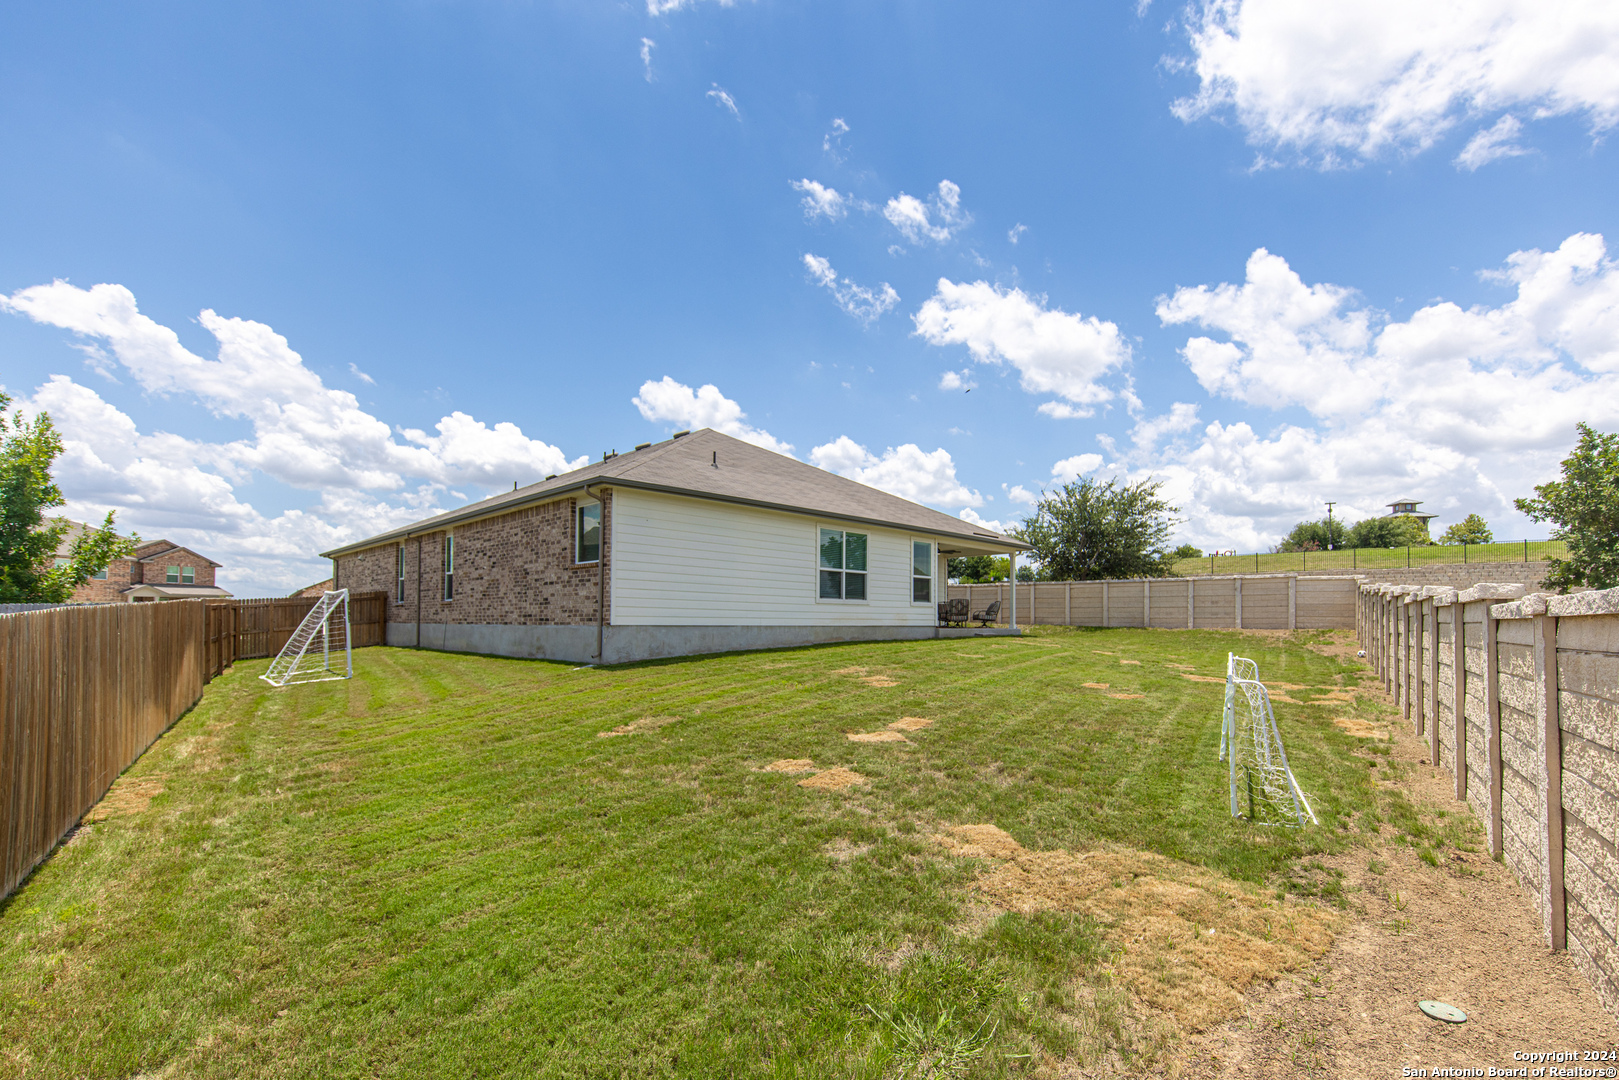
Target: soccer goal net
pixel 319 649
pixel 1263 788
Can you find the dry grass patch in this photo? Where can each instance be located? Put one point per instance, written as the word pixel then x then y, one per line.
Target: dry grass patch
pixel 836 778
pixel 1363 729
pixel 1127 697
pixel 1202 678
pixel 1095 685
pixel 876 737
pixel 1185 940
pixel 1135 662
pixel 879 680
pixel 791 766
pixel 128 795
pixel 850 671
pixel 910 723
pixel 635 727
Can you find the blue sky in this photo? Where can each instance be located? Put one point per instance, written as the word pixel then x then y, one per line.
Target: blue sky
pixel 287 275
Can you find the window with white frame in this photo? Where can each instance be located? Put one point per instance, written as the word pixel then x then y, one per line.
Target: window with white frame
pixel 188 575
pixel 171 575
pixel 921 572
pixel 588 532
pixel 449 566
pixel 841 565
pixel 399 571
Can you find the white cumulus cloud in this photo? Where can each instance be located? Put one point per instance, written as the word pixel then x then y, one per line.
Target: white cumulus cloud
pixel 1464 409
pixel 957 380
pixel 670 402
pixel 906 471
pixel 1070 469
pixel 1054 352
pixel 938 219
pixel 971 516
pixel 1333 82
pixel 1492 144
pixel 647 45
pixel 293 430
pixel 859 302
pixel 820 200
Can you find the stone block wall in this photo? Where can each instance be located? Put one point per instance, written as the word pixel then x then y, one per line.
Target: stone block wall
pixel 1534 749
pixel 1247 601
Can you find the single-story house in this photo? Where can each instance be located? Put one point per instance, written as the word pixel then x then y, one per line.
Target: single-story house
pixel 157 570
pixel 701 543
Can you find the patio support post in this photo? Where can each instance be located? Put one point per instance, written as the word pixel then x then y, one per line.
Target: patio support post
pixel 1012 580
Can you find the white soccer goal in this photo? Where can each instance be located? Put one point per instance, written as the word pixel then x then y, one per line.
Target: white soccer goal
pixel 319 649
pixel 1261 781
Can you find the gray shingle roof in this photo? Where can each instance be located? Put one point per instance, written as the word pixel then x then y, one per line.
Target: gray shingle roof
pixel 709 465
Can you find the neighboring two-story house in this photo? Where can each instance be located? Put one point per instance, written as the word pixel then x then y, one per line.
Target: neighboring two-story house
pixel 158 570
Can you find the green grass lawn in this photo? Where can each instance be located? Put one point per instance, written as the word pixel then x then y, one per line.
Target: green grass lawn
pixel 1282 562
pixel 441 867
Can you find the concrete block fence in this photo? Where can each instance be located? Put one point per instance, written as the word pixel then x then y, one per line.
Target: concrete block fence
pixel 1517 695
pixel 1244 601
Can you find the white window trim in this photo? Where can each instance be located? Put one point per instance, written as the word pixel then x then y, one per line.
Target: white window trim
pixel 815 559
pixel 447 569
pixel 399 572
pixel 579 535
pixel 933 576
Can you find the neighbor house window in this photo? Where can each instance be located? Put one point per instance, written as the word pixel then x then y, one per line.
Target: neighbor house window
pixel 841 565
pixel 400 568
pixel 172 576
pixel 588 530
pixel 99 575
pixel 921 572
pixel 449 566
pixel 61 562
pixel 188 575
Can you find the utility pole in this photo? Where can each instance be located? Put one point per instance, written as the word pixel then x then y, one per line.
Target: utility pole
pixel 1330 505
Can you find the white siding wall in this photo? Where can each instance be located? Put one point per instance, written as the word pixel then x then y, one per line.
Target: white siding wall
pixel 693 562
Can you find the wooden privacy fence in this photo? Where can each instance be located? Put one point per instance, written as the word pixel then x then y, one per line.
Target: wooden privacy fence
pixel 260 628
pixel 1518 699
pixel 1249 601
pixel 83 691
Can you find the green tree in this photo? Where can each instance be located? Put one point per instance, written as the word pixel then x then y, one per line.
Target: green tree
pixel 978 569
pixel 1388 532
pixel 1470 530
pixel 28 542
pixel 1316 536
pixel 1029 573
pixel 1090 530
pixel 1187 551
pixel 1584 505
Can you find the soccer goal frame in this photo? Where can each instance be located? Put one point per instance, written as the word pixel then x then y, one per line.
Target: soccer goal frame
pixel 1260 779
pixel 320 648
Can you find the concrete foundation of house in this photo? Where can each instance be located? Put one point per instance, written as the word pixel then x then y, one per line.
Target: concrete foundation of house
pixel 629 644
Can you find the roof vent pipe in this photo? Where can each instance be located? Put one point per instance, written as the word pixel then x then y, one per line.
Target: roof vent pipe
pixel 716 459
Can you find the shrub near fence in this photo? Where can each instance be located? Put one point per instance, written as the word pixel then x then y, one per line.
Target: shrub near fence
pixel 86 688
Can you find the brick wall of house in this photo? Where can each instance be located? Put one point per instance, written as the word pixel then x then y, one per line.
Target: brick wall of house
pixel 153 569
pixel 513 570
pixel 119 573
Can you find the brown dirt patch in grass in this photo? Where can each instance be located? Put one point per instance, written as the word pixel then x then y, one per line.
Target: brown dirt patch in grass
pixel 1135 662
pixel 1183 667
pixel 1364 729
pixel 1463 932
pixel 910 723
pixel 1127 697
pixel 876 736
pixel 1103 652
pixel 646 723
pixel 879 680
pixel 1202 678
pixel 1095 685
pixel 836 778
pixel 128 795
pixel 1337 695
pixel 850 671
pixel 1158 915
pixel 791 765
